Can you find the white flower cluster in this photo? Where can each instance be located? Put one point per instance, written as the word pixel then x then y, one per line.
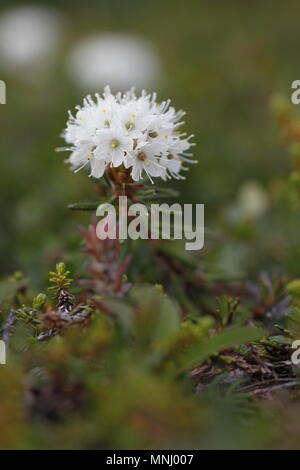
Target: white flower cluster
pixel 125 129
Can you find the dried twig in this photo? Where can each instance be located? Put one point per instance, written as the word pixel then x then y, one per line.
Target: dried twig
pixel 258 391
pixel 57 321
pixel 8 327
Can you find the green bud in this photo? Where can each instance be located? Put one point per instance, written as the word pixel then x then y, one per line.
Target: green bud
pixel 17 276
pixel 295 179
pixel 293 288
pixel 159 287
pixel 39 301
pixel 280 105
pixel 61 268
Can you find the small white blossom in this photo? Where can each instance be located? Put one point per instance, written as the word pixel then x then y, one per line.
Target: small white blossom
pixel 145 158
pixel 125 129
pixel 113 144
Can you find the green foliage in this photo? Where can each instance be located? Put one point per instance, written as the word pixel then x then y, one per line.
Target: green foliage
pixel 227 308
pixel 112 383
pixel 39 301
pixel 126 374
pixel 60 278
pixel 293 288
pixel 226 339
pixel 147 358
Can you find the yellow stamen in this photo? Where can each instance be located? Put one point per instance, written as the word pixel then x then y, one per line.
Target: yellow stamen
pixel 129 125
pixel 114 143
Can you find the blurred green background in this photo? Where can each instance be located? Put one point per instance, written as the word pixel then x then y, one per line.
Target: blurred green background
pixel 220 61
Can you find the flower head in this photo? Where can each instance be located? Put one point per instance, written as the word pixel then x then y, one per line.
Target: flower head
pixel 129 130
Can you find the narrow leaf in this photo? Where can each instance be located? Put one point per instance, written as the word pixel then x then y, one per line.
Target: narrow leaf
pixel 228 338
pixel 83 206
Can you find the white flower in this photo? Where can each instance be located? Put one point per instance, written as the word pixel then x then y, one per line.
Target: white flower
pixel 85 153
pixel 28 36
pixel 145 157
pixel 119 59
pixel 173 165
pixel 125 129
pixel 252 202
pixel 253 199
pixel 113 145
pixel 174 161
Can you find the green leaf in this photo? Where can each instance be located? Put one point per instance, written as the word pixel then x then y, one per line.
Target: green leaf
pixel 157 320
pixel 83 206
pixel 228 338
pixel 283 340
pixel 9 288
pixel 123 312
pixel 157 192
